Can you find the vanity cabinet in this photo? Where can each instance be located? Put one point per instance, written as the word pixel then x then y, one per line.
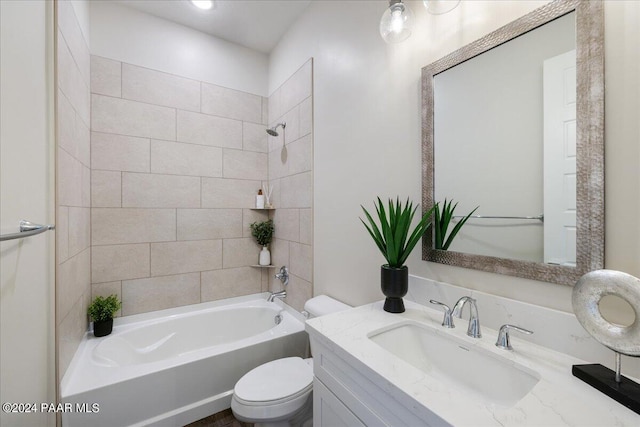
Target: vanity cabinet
pixel 346 393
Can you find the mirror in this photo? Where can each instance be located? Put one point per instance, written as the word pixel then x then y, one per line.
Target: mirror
pixel 513 123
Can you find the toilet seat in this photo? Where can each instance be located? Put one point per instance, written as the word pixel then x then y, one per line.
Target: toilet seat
pixel 275 390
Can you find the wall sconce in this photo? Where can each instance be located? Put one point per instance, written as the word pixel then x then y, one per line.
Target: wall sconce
pixel 396 22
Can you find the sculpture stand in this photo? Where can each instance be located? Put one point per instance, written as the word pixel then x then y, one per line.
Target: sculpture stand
pixel 614 385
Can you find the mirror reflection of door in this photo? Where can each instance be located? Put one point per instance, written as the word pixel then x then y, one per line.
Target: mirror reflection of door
pixel 559 77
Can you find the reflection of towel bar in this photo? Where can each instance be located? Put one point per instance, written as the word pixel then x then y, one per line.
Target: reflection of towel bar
pixel 27 229
pixel 538 217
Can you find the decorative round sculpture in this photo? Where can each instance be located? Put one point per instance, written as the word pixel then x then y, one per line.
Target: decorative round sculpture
pixel 588 292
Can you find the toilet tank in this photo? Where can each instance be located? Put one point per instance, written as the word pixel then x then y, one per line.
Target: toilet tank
pixel 322 304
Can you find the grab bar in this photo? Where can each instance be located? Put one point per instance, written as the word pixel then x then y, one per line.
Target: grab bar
pixel 27 229
pixel 537 217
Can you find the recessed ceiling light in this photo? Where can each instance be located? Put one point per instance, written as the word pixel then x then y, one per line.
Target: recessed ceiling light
pixel 203 4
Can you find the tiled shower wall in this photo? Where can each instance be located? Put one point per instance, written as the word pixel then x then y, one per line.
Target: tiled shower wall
pixel 73 216
pixel 176 164
pixel 291 174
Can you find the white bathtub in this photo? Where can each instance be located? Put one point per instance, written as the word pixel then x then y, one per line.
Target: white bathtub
pixel 175 366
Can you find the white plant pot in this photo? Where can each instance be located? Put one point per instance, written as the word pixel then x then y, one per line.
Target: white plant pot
pixel 265 256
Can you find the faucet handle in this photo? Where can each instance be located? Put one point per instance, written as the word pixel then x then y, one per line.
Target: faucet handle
pixel 503 341
pixel 447 321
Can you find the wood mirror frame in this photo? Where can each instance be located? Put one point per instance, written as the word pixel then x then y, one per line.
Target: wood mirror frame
pixel 589 143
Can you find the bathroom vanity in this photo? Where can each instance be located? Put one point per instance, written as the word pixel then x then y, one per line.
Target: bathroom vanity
pixel 373 368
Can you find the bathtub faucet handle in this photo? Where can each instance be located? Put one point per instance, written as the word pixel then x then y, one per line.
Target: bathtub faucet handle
pixel 283 276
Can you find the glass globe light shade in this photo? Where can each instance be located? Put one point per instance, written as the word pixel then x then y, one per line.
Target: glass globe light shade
pixel 438 7
pixel 396 23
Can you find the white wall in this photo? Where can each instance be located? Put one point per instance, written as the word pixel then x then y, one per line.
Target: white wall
pixel 26 165
pixel 367 135
pixel 127 35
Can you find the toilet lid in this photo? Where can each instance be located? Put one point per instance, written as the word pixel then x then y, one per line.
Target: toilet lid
pixel 275 380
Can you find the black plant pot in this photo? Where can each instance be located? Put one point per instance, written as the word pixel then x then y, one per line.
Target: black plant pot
pixel 104 328
pixel 395 284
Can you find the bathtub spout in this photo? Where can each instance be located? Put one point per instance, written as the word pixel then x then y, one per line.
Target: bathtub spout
pixel 274 295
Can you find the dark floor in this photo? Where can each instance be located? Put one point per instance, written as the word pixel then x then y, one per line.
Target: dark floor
pixel 221 419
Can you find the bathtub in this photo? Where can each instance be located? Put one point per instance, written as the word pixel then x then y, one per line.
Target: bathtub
pixel 175 366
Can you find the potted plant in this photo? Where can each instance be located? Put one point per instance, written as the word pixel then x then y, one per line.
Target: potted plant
pixel 396 243
pixel 101 311
pixel 441 220
pixel 263 232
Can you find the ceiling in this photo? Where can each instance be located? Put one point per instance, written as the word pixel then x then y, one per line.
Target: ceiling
pixel 256 24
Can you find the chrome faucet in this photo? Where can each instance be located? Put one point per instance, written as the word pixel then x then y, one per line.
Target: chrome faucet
pixel 447 320
pixel 474 321
pixel 283 276
pixel 273 295
pixel 503 341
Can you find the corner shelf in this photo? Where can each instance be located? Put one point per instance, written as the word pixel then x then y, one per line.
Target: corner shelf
pixel 263 266
pixel 263 209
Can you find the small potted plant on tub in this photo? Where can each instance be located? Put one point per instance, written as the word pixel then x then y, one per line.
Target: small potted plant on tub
pixel 263 232
pixel 101 311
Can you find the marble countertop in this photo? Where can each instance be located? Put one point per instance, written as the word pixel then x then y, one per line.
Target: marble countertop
pixel 558 399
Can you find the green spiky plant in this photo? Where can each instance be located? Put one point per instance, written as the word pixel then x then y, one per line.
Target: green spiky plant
pixel 442 219
pixel 392 236
pixel 262 231
pixel 102 309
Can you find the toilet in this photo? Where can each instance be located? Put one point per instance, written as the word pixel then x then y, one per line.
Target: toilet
pixel 279 393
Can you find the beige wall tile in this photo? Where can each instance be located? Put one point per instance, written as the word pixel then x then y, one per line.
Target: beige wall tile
pixel 292 131
pixel 207 224
pixel 107 289
pixel 265 110
pixel 296 191
pixel 280 253
pixel 73 134
pixel 106 76
pixel 71 330
pixel 297 88
pixel 62 234
pixel 70 175
pixel 240 252
pixel 160 191
pixel 278 163
pixel 79 230
pixel 298 292
pixel 209 130
pixel 229 193
pixel 185 257
pixel 245 165
pixel 287 224
pixel 254 137
pixel 306 116
pixel 300 157
pixel 250 216
pixel 302 261
pixel 155 87
pixel 277 142
pixel 106 189
pixel 74 38
pixel 185 159
pixel 118 226
pixel 73 279
pixel 85 187
pixel 124 117
pixel 306 226
pixel 157 293
pixel 231 282
pixel 119 262
pixel 71 81
pixel 224 102
pixel 275 194
pixel 119 152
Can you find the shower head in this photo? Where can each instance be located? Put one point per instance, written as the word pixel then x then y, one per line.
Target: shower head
pixel 273 131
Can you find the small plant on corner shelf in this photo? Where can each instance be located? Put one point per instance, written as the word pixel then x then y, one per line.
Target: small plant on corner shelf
pixel 101 310
pixel 441 219
pixel 263 233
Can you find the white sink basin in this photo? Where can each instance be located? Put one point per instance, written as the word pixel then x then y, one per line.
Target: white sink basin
pixel 489 377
